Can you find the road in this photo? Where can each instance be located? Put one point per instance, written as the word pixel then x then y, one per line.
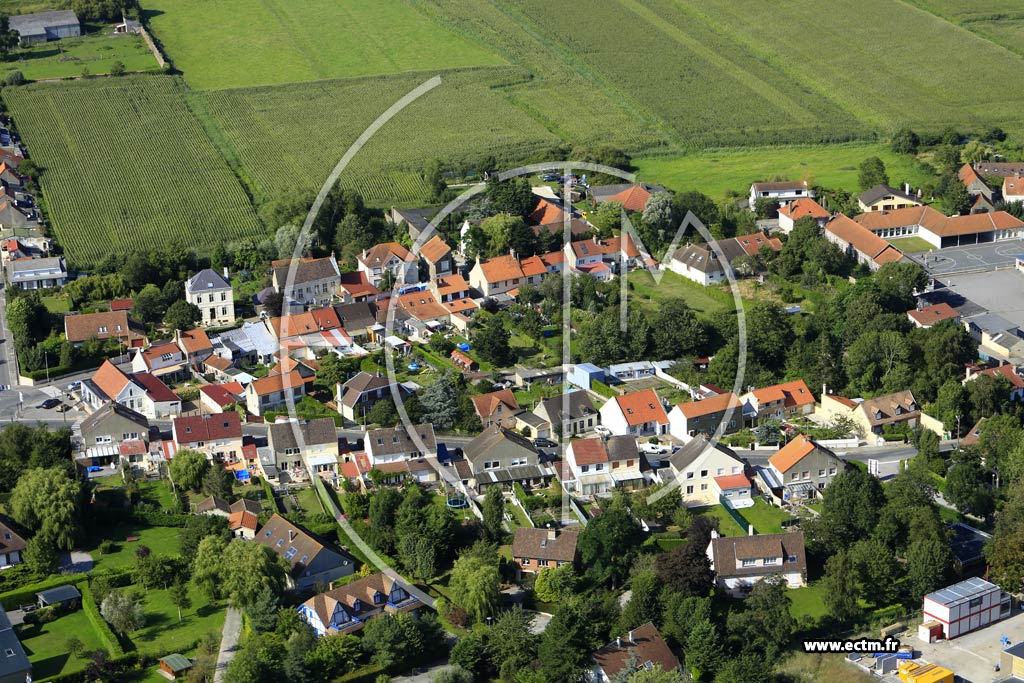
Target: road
pixel 228 642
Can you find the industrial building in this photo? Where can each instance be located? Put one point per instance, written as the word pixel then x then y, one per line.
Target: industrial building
pixel 961 608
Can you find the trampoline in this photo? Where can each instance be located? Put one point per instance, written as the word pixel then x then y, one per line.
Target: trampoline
pixel 414 366
pixel 457 503
pixel 463 346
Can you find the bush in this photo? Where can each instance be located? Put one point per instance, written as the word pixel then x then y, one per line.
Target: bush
pixel 107 547
pixel 103 630
pixel 14 78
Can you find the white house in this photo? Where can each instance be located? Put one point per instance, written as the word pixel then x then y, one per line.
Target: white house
pixel 802 208
pixel 638 414
pixel 741 561
pixel 140 391
pixel 38 273
pixel 398 443
pixel 781 192
pixel 1013 188
pixel 347 608
pixel 706 416
pixel 388 257
pixel 219 436
pixel 695 467
pixel 496 275
pixel 699 263
pixel 599 465
pixel 212 294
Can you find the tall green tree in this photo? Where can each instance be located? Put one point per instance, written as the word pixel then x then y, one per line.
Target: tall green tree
pixel 840 586
pixel 644 602
pixel 440 402
pixel 676 331
pixel 493 509
pixel 928 566
pixel 877 571
pixel 704 650
pixel 181 315
pixel 475 581
pixel 608 545
pixel 766 625
pixel 46 501
pixel 564 649
pixel 491 341
pixel 188 469
pixel 872 172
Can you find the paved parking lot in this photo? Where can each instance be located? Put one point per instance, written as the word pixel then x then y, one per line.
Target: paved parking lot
pixel 958 259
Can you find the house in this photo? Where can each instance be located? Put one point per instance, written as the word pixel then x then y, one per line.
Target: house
pixel 885 198
pixel 397 443
pixel 415 220
pixel 14 666
pixel 568 414
pixel 1010 372
pixel 964 607
pixel 777 402
pixel 1013 188
pixel 999 168
pixel 633 194
pixel 212 505
pixel 37 273
pixel 583 375
pixel 779 192
pixel 638 414
pixel 599 465
pixel 273 391
pixel 803 467
pixel 354 287
pixel 500 456
pixel 968 547
pixel 388 257
pixel 357 396
pixel 103 326
pixel 497 408
pixel 216 398
pixel 698 262
pixel 103 432
pixel 741 561
pixel 860 243
pixel 536 268
pixel 735 490
pixel 174 665
pixel 243 524
pixel 139 391
pixel 643 647
pixel 1011 660
pixel 997 337
pixel 307 281
pixel 66 596
pixel 212 294
pixel 347 608
pixel 251 343
pixel 706 416
pixel 695 466
pixel 926 316
pixel 465 363
pixel 802 208
pixel 219 437
pixel 163 359
pixel 195 344
pixel 42 27
pixel 588 257
pixel 976 187
pixel 899 408
pixel 497 275
pixel 12 546
pixel 301 447
pixel 311 560
pixel 536 549
pixel 437 257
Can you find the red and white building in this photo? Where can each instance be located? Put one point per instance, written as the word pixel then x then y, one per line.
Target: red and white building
pixel 961 608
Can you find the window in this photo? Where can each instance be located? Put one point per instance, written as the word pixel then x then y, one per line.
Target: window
pixel 599 467
pixel 703 473
pixel 831 471
pixel 749 563
pixel 543 563
pixel 615 465
pixel 770 560
pixel 720 471
pixel 629 463
pixel 526 561
pixel 792 559
pixel 584 468
pixel 703 487
pixel 821 473
pixel 689 490
pixel 104 439
pixel 689 475
pixel 796 475
pixel 975 602
pixel 805 475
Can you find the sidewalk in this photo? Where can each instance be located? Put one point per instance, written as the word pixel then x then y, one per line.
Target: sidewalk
pixel 228 643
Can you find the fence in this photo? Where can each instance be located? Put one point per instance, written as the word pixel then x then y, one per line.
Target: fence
pixel 735 514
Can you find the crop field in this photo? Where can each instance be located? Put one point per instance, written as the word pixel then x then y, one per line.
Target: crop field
pixel 290 137
pixel 716 172
pixel 868 58
pixel 126 164
pixel 69 57
pixel 282 41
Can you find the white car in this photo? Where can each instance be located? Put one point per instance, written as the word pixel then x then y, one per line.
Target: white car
pixel 653 449
pixel 602 430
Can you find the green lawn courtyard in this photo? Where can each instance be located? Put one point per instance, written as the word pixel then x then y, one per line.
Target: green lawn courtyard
pixel 161 540
pixel 47 644
pixel 96 52
pixel 765 518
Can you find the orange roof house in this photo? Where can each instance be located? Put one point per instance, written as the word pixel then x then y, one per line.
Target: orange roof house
pixel 802 208
pixel 860 242
pixel 497 407
pixel 637 413
pixel 632 199
pixel 778 401
pixel 802 468
pixel 932 315
pixel 435 249
pixel 546 212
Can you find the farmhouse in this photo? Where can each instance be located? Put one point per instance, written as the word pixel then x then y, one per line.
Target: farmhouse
pixel 632 196
pixel 972 181
pixel 310 560
pixel 347 608
pixel 699 263
pixel 535 268
pixel 600 465
pixel 356 396
pixel 37 273
pixel 741 561
pixel 103 434
pixel 885 198
pixel 45 26
pixel 696 465
pixel 212 294
pixel 1011 373
pixel 999 168
pixel 872 415
pixel 103 326
pixel 780 192
pixel 638 414
pixel 536 549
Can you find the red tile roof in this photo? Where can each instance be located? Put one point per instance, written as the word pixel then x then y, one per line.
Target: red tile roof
pixel 207 427
pixel 357 284
pixel 545 212
pixel 243 519
pixel 1013 186
pixel 589 451
pixel 274 383
pixel 640 407
pixel 381 253
pixel 863 240
pixel 751 244
pixel 643 644
pixel 219 394
pixel 1008 371
pixel 155 389
pixel 632 198
pixel 194 341
pixel 930 315
pixel 710 405
pixel 435 249
pixel 792 453
pixel 486 404
pixel 110 380
pixel 501 269
pixel 732 481
pixel 121 304
pixel 803 207
pixel 795 394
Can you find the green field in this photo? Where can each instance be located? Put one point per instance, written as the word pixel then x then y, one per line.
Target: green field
pixel 239 43
pixel 718 172
pixel 46 644
pixel 704 300
pixel 126 165
pixel 96 52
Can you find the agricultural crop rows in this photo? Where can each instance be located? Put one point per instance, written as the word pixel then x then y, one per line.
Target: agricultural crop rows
pixel 126 164
pixel 290 137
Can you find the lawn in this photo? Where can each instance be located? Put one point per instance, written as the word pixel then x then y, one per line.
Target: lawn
pixel 808 601
pixel 46 644
pixel 717 172
pixel 766 518
pixel 910 245
pixel 309 501
pixel 163 633
pixel 518 515
pixel 57 304
pixel 161 540
pixel 727 526
pixel 646 292
pixel 277 41
pixel 67 58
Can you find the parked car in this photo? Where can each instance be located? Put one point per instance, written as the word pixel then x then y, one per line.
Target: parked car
pixel 74 385
pixel 93 468
pixel 602 430
pixel 544 443
pixel 548 177
pixel 653 449
pixel 49 403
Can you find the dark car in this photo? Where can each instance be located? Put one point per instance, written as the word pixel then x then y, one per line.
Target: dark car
pixel 49 403
pixel 552 176
pixel 94 468
pixel 544 443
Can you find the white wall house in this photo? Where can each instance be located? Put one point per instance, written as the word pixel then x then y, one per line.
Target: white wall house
pixel 212 294
pixel 638 414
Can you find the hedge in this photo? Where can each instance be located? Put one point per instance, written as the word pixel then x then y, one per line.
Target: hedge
pixel 153 518
pixel 122 665
pixel 366 674
pixel 92 611
pixel 14 599
pixel 269 493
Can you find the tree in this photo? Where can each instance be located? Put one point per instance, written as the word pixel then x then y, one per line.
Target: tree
pixel 644 602
pixel 475 581
pixel 41 555
pixel 117 68
pixel 850 509
pixel 746 668
pixel 122 612
pixel 382 413
pixel 947 157
pixel 198 527
pixel 286 242
pixel 957 200
pixel 491 340
pixel 876 570
pixel 395 640
pixel 148 305
pixel 207 565
pixel 469 653
pixel 658 211
pixel 247 569
pixel 555 583
pixel 263 610
pixel 564 648
pixel 218 482
pixel 607 218
pixel 188 468
pixel 682 614
pixel 686 569
pixel 513 196
pixel 928 564
pixel 181 315
pixel 493 509
pixel 675 329
pixel 871 173
pixel 46 501
pixel 335 655
pixel 179 596
pixel 766 625
pixel 440 401
pixel 608 544
pixel 14 78
pixel 453 674
pixel 967 487
pixel 8 39
pixel 905 141
pixel 840 586
pixel 704 651
pixel 512 643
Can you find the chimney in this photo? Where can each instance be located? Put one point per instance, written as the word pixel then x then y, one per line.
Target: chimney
pixel 618 641
pixel 906 187
pixel 824 389
pixel 226 273
pixel 750 530
pixel 291 535
pixel 552 534
pixel 631 641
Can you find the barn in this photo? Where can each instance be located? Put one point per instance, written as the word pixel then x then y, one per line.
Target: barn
pixel 45 26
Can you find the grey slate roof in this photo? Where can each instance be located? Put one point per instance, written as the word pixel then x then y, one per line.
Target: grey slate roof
pixel 699 257
pixel 308 271
pixel 728 550
pixel 493 437
pixel 398 440
pixel 15 664
pixel 878 191
pixel 92 421
pixel 59 594
pixel 36 24
pixel 682 458
pixel 206 279
pixel 318 431
pixel 580 406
